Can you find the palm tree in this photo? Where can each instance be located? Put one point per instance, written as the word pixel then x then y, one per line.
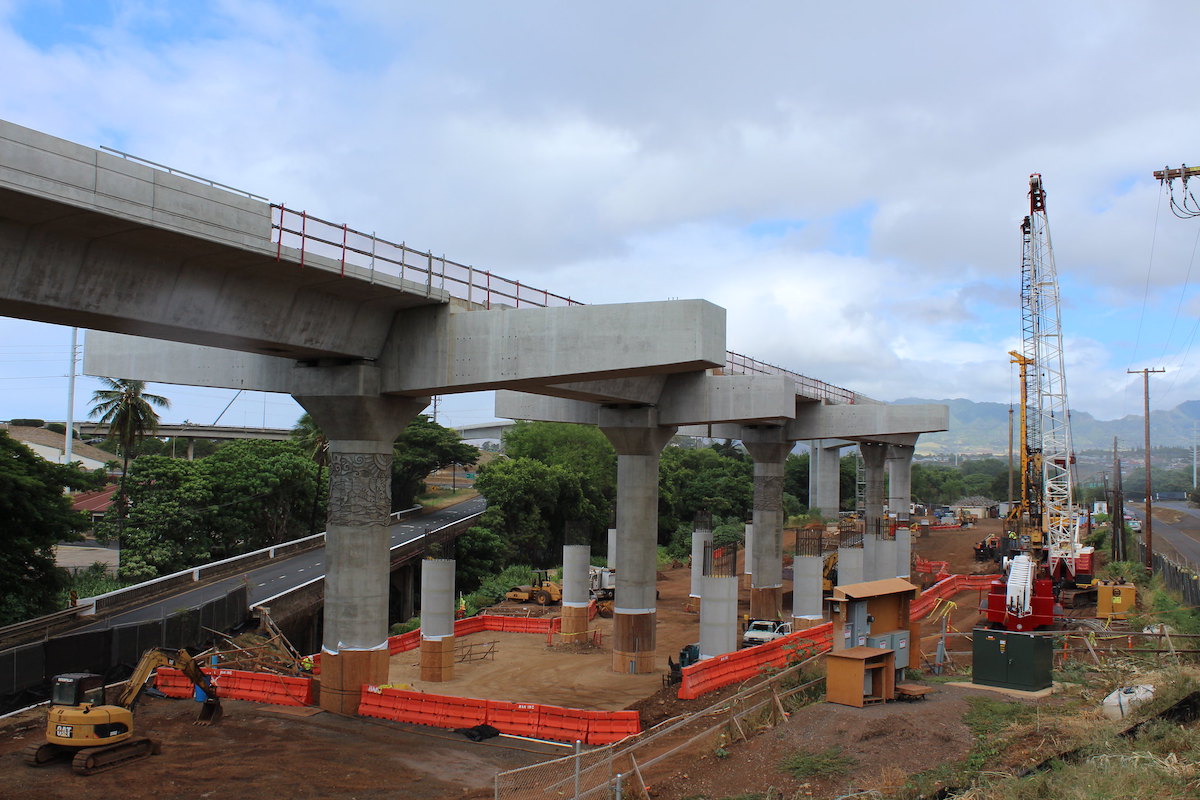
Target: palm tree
pixel 126 408
pixel 310 437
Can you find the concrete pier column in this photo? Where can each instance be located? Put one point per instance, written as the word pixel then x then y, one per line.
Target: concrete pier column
pixel 638 440
pixel 769 450
pixel 824 478
pixel 870 555
pixel 702 537
pixel 885 555
pixel 903 552
pixel 808 566
pixel 718 615
pixel 874 455
pixel 612 548
pixel 437 619
pixel 850 559
pixel 899 465
pixel 361 430
pixel 575 591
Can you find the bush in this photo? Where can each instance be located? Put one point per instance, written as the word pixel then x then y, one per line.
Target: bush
pixel 826 764
pixel 730 533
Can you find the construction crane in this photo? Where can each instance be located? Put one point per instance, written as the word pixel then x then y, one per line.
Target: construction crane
pixel 1045 539
pixel 1049 424
pixel 1022 525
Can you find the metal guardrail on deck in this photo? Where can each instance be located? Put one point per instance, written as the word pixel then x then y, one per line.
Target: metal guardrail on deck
pixel 481 288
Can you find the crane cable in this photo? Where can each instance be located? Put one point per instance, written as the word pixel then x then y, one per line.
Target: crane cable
pixel 1192 336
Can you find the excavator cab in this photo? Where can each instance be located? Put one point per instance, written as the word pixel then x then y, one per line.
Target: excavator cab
pixel 77 688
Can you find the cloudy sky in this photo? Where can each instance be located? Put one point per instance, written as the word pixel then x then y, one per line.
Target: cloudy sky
pixel 847 179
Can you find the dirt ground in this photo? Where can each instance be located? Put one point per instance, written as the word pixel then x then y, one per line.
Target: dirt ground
pixel 260 751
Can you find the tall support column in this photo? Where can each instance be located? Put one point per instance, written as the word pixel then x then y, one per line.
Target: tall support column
pixel 638 440
pixel 575 599
pixel 361 430
pixel 899 464
pixel 437 619
pixel 824 478
pixel 873 455
pixel 769 450
pixel 701 539
pixel 718 615
pixel 807 578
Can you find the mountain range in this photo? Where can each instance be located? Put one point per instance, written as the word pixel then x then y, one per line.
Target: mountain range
pixel 983 428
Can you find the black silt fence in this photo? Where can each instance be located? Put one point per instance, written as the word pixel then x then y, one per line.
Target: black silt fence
pixel 25 671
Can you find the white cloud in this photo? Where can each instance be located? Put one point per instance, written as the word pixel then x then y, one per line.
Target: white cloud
pixel 632 151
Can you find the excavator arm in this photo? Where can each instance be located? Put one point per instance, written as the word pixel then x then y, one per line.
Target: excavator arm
pixel 153 659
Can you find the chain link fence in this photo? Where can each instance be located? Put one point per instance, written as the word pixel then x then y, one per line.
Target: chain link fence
pixel 615 771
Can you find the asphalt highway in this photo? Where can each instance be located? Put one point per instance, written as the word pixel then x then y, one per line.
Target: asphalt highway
pixel 281 576
pixel 1183 536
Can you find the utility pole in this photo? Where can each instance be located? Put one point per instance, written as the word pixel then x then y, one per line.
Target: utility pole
pixel 68 445
pixel 1146 411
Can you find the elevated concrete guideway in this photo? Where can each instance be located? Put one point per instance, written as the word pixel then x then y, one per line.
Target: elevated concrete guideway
pixel 237 293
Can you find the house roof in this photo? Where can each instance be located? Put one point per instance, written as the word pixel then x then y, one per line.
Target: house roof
pixel 97 501
pixel 45 438
pixel 873 588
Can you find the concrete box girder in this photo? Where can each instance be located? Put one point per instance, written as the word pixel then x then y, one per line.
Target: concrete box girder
pixel 97 241
pixel 442 350
pixel 685 399
pixel 431 351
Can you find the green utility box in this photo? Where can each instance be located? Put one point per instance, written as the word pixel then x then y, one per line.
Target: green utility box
pixel 1012 660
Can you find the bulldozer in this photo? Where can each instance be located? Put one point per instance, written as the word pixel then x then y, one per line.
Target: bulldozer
pixel 99 737
pixel 544 591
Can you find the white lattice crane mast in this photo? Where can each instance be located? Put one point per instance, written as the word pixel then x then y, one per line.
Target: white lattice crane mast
pixel 1050 423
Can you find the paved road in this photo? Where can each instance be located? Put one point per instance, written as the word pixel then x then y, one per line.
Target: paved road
pixel 272 579
pixel 1183 537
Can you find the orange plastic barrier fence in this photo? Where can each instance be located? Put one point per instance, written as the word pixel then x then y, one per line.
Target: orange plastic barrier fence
pixel 477 624
pixel 715 673
pixel 258 687
pixel 520 719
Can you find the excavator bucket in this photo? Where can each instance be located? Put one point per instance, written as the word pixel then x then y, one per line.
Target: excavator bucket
pixel 210 712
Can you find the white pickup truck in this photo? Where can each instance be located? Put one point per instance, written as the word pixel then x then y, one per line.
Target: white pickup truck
pixel 761 631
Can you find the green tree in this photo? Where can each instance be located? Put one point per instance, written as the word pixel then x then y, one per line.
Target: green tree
pixel 848 481
pixel 580 448
pixel 127 409
pixel 714 479
pixel 795 476
pixel 35 514
pixel 263 493
pixel 313 441
pixel 530 505
pixel 937 484
pixel 478 554
pixel 166 526
pixel 248 495
pixel 423 447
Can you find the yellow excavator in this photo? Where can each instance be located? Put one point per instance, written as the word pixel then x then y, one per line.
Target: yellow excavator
pixel 99 737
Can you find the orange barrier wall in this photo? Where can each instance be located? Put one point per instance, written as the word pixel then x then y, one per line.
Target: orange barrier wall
pixel 715 673
pixel 259 687
pixel 521 719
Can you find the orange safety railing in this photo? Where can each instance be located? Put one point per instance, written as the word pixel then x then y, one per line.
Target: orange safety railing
pixel 258 687
pixel 724 670
pixel 536 720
